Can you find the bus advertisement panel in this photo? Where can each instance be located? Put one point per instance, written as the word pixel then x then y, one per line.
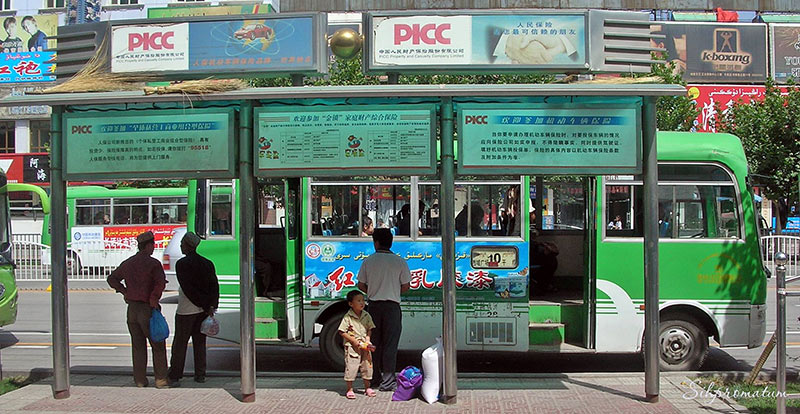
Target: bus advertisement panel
pixel 331 269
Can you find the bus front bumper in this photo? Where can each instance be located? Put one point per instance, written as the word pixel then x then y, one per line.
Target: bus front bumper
pixel 758 325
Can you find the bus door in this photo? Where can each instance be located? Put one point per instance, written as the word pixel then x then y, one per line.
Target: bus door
pixel 277 282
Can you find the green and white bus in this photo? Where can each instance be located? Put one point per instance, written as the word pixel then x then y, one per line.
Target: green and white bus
pixel 313 233
pixel 102 223
pixel 8 285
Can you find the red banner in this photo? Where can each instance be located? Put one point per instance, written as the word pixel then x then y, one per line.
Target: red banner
pixel 127 234
pixel 709 97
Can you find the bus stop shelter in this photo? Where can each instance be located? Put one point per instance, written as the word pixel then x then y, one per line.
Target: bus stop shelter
pixel 88 130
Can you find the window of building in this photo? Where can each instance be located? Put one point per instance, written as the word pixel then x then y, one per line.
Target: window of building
pixel 50 4
pixel 5 5
pixel 694 202
pixel 124 2
pixel 6 135
pixel 40 135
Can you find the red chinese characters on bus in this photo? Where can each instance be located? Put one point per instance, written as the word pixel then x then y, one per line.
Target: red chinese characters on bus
pixel 477 279
pixel 341 279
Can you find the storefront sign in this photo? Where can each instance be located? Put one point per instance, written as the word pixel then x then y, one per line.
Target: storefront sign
pixel 716 52
pixel 150 144
pixel 549 139
pixel 270 44
pixel 542 41
pixel 784 42
pixel 23 112
pixel 26 49
pixel 32 168
pixel 306 141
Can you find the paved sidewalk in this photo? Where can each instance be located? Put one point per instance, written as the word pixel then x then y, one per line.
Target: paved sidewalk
pixel 559 393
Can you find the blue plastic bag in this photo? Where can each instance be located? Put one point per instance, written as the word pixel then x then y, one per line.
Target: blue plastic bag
pixel 159 330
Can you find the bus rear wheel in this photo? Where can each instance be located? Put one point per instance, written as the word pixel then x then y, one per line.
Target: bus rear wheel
pixel 683 344
pixel 331 343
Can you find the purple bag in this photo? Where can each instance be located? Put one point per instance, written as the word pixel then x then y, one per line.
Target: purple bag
pixel 409 381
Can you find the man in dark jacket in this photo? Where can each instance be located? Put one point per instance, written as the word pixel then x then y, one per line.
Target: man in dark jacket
pixel 198 297
pixel 144 281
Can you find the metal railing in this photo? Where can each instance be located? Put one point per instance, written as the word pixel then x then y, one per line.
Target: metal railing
pixel 789 245
pixel 91 260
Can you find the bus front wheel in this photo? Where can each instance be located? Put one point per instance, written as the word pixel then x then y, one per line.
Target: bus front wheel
pixel 683 345
pixel 331 343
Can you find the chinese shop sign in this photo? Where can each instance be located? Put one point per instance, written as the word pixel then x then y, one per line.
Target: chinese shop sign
pixel 785 44
pixel 305 141
pixel 526 139
pixel 150 144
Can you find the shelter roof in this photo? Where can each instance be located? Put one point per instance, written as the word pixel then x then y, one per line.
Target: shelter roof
pixel 368 91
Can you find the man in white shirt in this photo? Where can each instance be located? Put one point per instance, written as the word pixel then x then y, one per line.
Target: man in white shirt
pixel 384 276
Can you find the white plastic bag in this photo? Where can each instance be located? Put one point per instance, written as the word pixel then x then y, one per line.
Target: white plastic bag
pixel 432 371
pixel 209 326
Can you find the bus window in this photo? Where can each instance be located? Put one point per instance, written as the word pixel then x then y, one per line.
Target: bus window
pixel 686 210
pixel 388 206
pixel 345 209
pixel 169 210
pixel 90 212
pixel 270 207
pixel 429 224
pixel 130 211
pixel 563 205
pixel 221 208
pixel 494 209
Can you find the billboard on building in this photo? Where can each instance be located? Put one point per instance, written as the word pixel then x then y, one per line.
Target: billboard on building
pixel 716 52
pixel 238 45
pixel 710 98
pixel 31 168
pixel 27 48
pixel 784 40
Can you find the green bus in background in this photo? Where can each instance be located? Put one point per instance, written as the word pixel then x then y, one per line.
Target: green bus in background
pixel 8 286
pixel 102 223
pixel 313 234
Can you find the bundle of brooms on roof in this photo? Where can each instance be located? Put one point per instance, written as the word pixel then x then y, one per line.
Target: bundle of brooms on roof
pixel 94 77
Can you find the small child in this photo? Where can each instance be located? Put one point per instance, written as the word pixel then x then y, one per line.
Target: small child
pixel 356 328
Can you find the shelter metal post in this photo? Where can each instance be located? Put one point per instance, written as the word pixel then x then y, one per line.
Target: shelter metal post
pixel 447 217
pixel 651 318
pixel 58 259
pixel 246 233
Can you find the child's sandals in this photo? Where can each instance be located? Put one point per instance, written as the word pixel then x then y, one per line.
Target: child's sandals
pixel 369 392
pixel 351 395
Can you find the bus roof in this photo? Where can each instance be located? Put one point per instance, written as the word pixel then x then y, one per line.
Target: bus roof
pixel 94 191
pixel 700 146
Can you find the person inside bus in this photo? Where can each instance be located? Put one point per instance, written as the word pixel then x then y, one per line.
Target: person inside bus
pixel 123 218
pixel 615 224
pixel 367 227
pixel 512 208
pixel 404 220
pixel 475 220
pixel 503 221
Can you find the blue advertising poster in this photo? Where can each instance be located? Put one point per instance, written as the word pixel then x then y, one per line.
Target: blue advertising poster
pixel 331 269
pixel 251 45
pixel 27 67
